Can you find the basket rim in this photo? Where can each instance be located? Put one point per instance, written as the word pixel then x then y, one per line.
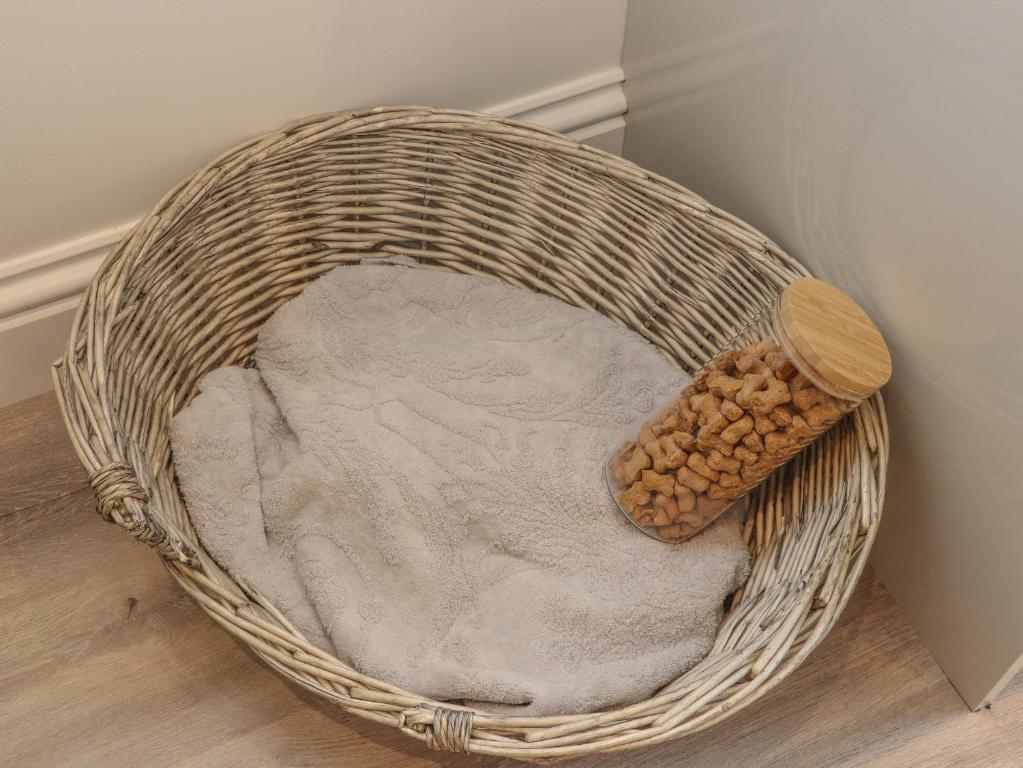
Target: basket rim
pixel 91 419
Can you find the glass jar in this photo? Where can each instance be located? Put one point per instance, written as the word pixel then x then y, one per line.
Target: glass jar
pixel 801 365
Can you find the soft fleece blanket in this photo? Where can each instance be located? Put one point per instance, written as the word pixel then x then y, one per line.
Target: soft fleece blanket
pixel 414 476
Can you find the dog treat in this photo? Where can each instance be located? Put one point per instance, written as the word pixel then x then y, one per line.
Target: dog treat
pixel 744 416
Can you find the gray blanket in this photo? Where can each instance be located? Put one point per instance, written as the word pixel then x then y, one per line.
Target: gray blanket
pixel 414 476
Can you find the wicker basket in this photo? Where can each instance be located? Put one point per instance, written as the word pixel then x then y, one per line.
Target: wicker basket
pixel 187 290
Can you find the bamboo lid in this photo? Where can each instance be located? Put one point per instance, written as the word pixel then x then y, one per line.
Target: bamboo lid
pixel 826 330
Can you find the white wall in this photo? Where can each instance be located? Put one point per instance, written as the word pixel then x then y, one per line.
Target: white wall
pixel 105 105
pixel 879 142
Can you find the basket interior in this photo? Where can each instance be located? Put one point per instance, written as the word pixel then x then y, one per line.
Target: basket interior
pixel 450 199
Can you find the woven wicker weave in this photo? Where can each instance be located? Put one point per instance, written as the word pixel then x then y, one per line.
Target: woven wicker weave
pixel 187 290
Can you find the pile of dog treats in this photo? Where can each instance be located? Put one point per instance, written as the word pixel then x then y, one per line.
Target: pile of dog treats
pixel 744 415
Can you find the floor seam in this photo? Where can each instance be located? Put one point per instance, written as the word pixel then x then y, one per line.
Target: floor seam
pixel 30 507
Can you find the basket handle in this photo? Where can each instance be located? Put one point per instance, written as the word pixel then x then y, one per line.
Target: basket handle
pixel 122 500
pixel 446 730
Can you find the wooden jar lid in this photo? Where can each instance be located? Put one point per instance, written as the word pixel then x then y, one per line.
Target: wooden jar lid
pixel 829 332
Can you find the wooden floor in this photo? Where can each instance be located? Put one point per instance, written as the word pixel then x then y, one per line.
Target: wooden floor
pixel 105 662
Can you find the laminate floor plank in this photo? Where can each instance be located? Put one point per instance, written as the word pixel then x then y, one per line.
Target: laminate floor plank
pixel 37 462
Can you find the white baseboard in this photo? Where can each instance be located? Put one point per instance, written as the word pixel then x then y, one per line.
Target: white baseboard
pixel 39 290
pixel 37 279
pixel 571 107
